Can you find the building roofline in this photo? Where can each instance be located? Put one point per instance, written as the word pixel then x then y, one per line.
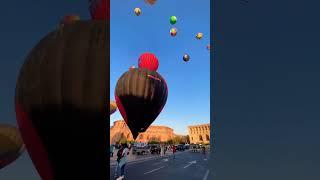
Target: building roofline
pixel 207 124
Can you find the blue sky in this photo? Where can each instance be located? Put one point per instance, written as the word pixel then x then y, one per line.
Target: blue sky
pixel 189 83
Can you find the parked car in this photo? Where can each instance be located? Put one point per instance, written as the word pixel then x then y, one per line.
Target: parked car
pixel 155 149
pixel 140 150
pixel 194 148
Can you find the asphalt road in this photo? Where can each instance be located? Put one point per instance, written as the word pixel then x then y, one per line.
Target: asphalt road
pixel 186 166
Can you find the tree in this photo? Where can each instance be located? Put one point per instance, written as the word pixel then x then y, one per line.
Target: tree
pixel 170 141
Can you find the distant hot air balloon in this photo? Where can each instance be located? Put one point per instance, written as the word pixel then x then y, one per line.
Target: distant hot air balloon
pixel 140 95
pixel 99 9
pixel 69 19
pixel 113 107
pixel 60 100
pixel 186 57
pixel 151 2
pixel 199 36
pixel 132 67
pixel 173 20
pixel 208 47
pixel 11 144
pixel 137 11
pixel 173 31
pixel 149 61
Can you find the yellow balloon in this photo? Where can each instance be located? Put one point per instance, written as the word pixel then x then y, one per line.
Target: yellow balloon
pixel 137 11
pixel 113 107
pixel 199 36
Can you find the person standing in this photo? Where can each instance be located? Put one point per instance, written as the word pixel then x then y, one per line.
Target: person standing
pixel 123 160
pixel 204 151
pixel 162 150
pixel 174 151
pixel 118 167
pixel 111 150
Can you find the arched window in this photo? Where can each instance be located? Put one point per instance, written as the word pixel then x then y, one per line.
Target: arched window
pixel 141 136
pixel 200 138
pixel 207 137
pixel 192 138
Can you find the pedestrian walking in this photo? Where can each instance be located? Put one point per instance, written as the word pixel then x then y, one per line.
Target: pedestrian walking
pixel 204 151
pixel 174 151
pixel 111 150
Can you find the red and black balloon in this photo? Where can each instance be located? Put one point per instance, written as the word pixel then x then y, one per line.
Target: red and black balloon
pixel 61 97
pixel 141 94
pixel 99 9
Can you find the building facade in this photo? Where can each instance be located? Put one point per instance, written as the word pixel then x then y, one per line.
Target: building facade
pixel 120 130
pixel 199 134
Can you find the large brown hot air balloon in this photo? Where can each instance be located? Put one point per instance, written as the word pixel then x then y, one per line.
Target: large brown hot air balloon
pixel 140 95
pixel 61 102
pixel 11 144
pixel 113 107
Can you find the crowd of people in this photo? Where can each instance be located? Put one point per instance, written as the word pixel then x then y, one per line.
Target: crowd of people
pixel 124 150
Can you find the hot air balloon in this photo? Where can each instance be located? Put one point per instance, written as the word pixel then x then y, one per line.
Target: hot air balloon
pixel 199 36
pixel 60 100
pixel 151 2
pixel 140 95
pixel 186 57
pixel 173 31
pixel 137 11
pixel 69 19
pixel 149 61
pixel 99 9
pixel 173 20
pixel 11 144
pixel 113 107
pixel 132 67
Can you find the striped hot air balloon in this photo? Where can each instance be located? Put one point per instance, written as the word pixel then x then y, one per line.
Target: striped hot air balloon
pixel 60 102
pixel 141 95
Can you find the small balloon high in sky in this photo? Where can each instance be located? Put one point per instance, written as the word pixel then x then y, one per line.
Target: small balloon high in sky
pixel 199 36
pixel 137 11
pixel 173 32
pixel 173 20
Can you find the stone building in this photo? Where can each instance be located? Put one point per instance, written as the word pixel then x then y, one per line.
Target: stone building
pixel 199 134
pixel 157 133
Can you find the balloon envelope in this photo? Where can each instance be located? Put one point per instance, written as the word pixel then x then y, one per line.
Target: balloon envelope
pixel 11 144
pixel 113 107
pixel 69 19
pixel 137 11
pixel 186 57
pixel 99 9
pixel 173 32
pixel 140 95
pixel 173 20
pixel 151 2
pixel 148 61
pixel 199 36
pixel 60 102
